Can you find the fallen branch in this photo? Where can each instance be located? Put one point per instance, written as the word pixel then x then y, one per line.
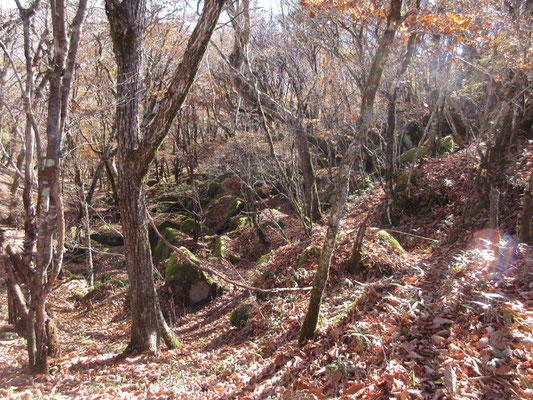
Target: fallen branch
pixel 412 234
pixel 8 329
pixel 186 258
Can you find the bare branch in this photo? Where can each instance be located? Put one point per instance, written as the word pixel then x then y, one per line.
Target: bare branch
pixel 181 254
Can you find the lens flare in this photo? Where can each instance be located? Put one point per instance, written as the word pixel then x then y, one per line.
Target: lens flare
pixel 494 252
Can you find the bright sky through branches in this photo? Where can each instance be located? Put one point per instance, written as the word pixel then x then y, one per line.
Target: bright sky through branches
pixel 266 4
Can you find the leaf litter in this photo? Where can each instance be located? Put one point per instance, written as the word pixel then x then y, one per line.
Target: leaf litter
pixel 431 320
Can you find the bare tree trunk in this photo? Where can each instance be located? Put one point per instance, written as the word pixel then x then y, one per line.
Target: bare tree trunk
pixel 127 23
pixel 494 205
pixel 353 264
pixel 14 188
pixel 308 328
pixel 526 217
pixel 112 175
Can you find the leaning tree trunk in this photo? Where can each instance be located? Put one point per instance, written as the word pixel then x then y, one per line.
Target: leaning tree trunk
pixel 308 329
pixel 127 24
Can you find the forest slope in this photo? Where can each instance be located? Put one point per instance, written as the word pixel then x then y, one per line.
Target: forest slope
pixel 447 313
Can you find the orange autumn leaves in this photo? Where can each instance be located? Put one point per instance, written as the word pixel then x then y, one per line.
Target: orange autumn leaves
pixel 426 19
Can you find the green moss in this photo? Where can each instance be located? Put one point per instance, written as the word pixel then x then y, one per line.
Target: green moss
pixel 313 251
pixel 274 224
pixel 108 238
pixel 184 273
pixel 237 222
pixel 414 131
pixel 220 247
pixel 389 238
pixel 162 251
pixel 189 254
pixel 409 155
pixel 234 208
pixel 187 226
pixel 240 316
pixel 447 145
pixel 72 232
pixel 154 239
pixel 182 279
pixel 233 259
pixel 401 180
pixel 214 189
pixel 263 259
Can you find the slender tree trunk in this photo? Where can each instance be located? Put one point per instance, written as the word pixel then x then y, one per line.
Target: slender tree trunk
pixel 112 175
pixel 14 187
pixel 308 328
pixel 312 201
pixel 524 229
pixel 307 331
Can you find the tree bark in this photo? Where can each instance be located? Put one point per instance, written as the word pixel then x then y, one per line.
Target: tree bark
pixel 14 188
pixel 308 328
pixel 127 24
pixel 524 229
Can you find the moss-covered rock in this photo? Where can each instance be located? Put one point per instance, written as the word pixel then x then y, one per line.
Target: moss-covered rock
pixel 240 316
pixel 273 224
pixel 389 238
pixel 237 222
pixel 220 212
pixel 447 145
pixel 110 238
pixel 401 180
pixel 263 259
pixel 409 155
pixel 414 132
pixel 220 247
pixel 188 285
pixel 233 258
pixel 162 251
pixel 154 239
pixel 187 226
pixel 214 189
pixel 309 251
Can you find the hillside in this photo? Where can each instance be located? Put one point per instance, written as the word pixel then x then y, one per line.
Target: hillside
pixel 444 310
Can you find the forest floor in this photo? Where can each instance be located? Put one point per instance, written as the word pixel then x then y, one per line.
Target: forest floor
pixel 434 318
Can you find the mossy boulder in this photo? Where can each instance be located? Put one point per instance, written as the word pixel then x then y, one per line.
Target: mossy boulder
pixel 414 132
pixel 233 258
pixel 309 251
pixel 447 145
pixel 237 222
pixel 401 180
pixel 220 212
pixel 214 189
pixel 109 238
pixel 187 284
pixel 273 224
pixel 188 224
pixel 240 316
pixel 409 155
pixel 389 238
pixel 220 247
pixel 154 239
pixel 263 259
pixel 162 251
